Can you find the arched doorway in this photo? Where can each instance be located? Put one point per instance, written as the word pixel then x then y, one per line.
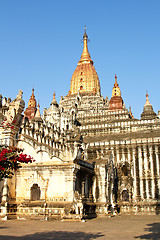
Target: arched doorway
pixel 35 192
pixel 125 196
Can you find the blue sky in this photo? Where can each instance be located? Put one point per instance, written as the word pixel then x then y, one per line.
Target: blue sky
pixel 40 46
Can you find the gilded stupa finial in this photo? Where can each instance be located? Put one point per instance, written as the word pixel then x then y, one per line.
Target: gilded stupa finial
pixel 115 84
pixel 147 95
pixel 32 96
pixel 54 95
pixel 32 101
pixel 54 98
pixel 85 36
pixel 147 100
pixel 85 57
pixel 116 89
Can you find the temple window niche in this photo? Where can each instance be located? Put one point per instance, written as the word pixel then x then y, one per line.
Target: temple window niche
pixel 35 192
pixel 125 196
pixel 124 170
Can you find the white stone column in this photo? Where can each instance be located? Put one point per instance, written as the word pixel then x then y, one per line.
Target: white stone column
pixel 117 153
pixel 4 198
pixel 111 192
pixel 86 186
pixel 157 162
pixel 129 156
pixel 130 162
pixel 157 167
pixel 134 173
pixel 74 182
pixel 106 190
pixel 146 171
pixel 101 183
pixel 140 172
pixel 94 188
pixel 123 155
pixel 152 171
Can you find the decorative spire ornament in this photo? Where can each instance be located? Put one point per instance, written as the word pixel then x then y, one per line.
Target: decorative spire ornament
pixel 148 112
pixel 54 99
pixel 85 57
pixel 147 100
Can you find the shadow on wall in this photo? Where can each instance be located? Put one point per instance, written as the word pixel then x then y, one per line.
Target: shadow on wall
pixel 154 232
pixel 54 235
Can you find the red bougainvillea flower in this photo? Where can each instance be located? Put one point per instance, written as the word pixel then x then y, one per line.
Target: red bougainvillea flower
pixel 23 158
pixel 11 159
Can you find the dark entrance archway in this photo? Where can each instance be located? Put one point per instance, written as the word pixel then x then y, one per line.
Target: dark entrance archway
pixel 35 192
pixel 125 196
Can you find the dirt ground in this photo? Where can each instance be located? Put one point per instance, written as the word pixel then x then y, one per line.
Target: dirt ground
pixel 119 227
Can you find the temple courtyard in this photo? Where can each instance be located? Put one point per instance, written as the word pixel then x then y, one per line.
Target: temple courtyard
pixel 119 227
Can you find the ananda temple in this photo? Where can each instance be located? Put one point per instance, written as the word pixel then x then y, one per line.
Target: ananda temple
pixel 92 157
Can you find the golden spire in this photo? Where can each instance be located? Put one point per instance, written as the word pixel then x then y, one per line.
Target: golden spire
pixel 54 98
pixel 147 100
pixel 116 84
pixel 116 89
pixel 54 95
pixel 32 107
pixel 85 57
pixel 116 101
pixel 32 100
pixel 32 96
pixel 85 79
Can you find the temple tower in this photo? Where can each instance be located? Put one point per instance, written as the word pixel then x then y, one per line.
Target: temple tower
pixel 148 112
pixel 85 79
pixel 32 107
pixel 116 101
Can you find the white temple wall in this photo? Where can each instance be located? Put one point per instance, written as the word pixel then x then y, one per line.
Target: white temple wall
pixel 55 184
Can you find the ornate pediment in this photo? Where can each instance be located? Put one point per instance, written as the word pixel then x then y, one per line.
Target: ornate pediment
pixel 36 177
